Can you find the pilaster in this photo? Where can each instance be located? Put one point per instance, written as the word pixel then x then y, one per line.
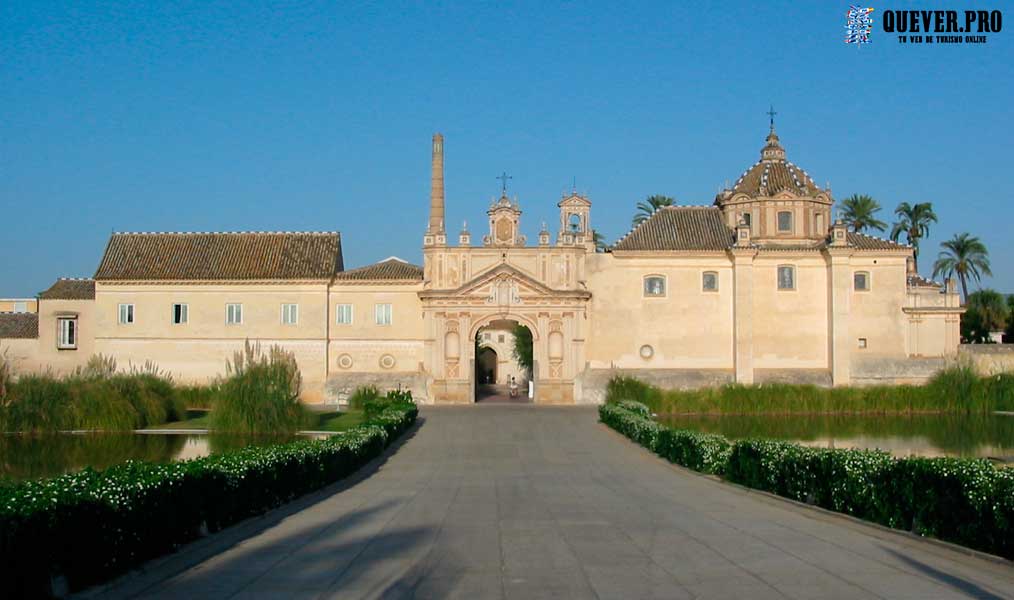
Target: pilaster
pixel 839 297
pixel 742 311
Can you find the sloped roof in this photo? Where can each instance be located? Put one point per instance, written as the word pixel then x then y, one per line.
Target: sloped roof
pixel 869 242
pixel 679 228
pixel 15 326
pixel 70 289
pixel 221 256
pixel 390 270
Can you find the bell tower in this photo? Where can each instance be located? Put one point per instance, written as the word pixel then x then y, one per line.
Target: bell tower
pixel 575 220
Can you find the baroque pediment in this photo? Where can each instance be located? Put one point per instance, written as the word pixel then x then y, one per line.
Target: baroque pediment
pixel 504 284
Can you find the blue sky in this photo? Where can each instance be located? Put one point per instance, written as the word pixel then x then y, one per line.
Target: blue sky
pixel 317 116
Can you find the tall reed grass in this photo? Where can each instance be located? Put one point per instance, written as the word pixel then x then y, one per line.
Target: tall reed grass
pixel 94 397
pixel 260 394
pixel 954 390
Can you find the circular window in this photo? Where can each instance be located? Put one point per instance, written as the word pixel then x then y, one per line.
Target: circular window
pixel 345 361
pixel 386 361
pixel 647 351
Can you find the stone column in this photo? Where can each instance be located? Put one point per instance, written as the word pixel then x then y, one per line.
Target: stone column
pixel 839 296
pixel 742 311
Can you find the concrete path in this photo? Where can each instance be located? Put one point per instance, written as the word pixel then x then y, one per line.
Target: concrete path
pixel 513 501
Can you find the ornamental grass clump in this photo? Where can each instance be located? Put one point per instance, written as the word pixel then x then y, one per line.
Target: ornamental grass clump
pixel 260 393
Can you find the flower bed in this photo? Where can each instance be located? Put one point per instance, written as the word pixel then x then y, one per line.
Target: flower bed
pixel 965 501
pixel 89 526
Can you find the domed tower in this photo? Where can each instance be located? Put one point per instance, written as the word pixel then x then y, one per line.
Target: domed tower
pixel 778 200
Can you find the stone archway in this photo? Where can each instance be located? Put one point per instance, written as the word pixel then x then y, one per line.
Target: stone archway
pixel 509 342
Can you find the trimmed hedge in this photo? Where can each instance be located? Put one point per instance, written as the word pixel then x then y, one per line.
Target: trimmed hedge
pixel 93 525
pixel 965 501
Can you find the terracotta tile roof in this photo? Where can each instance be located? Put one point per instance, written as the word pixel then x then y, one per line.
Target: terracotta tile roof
pixel 679 228
pixel 391 270
pixel 15 326
pixel 221 256
pixel 767 178
pixel 70 289
pixel 869 242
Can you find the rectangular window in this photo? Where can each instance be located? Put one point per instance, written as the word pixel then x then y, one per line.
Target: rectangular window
pixel 126 314
pixel 20 307
pixel 654 286
pixel 709 281
pixel 180 314
pixel 382 314
pixel 747 219
pixel 290 314
pixel 343 314
pixel 66 333
pixel 786 277
pixel 233 314
pixel 862 343
pixel 784 221
pixel 862 281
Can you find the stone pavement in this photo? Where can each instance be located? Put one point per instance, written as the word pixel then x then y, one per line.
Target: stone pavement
pixel 515 501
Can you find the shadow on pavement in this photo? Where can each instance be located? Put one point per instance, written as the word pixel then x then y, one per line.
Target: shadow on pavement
pixel 963 585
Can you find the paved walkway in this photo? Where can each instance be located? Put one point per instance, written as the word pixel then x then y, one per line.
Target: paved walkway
pixel 530 502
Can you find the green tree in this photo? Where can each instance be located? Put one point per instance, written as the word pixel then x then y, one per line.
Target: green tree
pixel 600 241
pixel 913 221
pixel 859 212
pixel 649 207
pixel 986 311
pixel 523 349
pixel 963 255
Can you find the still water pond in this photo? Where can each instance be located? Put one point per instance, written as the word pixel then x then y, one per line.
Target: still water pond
pixel 987 436
pixel 48 455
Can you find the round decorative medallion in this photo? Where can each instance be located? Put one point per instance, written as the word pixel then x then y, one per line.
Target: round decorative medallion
pixel 647 351
pixel 386 361
pixel 345 361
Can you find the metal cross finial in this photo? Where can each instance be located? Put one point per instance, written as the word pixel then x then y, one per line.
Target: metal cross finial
pixel 771 114
pixel 503 186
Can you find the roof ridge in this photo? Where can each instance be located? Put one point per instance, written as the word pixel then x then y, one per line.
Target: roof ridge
pixel 877 237
pixel 227 233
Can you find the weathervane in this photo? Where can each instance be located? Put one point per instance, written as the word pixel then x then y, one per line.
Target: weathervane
pixel 503 186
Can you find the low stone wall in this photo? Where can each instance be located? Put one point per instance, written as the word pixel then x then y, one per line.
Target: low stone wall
pixel 590 385
pixel 989 359
pixel 895 371
pixel 818 377
pixel 340 386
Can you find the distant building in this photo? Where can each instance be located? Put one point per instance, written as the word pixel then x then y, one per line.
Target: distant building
pixel 18 305
pixel 759 286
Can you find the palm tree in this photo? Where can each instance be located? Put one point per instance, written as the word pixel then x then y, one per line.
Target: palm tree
pixel 987 312
pixel 964 255
pixel 860 212
pixel 600 241
pixel 648 207
pixel 913 221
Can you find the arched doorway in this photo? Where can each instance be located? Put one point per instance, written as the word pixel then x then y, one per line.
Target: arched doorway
pixel 503 361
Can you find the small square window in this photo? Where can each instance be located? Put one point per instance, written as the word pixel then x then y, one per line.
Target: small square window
pixel 654 286
pixel 487 336
pixel 180 314
pixel 126 314
pixel 786 277
pixel 862 343
pixel 382 314
pixel 709 281
pixel 784 221
pixel 861 280
pixel 500 338
pixel 66 333
pixel 233 314
pixel 343 314
pixel 290 314
pixel 20 307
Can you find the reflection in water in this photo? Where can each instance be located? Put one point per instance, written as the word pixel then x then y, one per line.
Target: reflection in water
pixel 48 455
pixel 902 435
